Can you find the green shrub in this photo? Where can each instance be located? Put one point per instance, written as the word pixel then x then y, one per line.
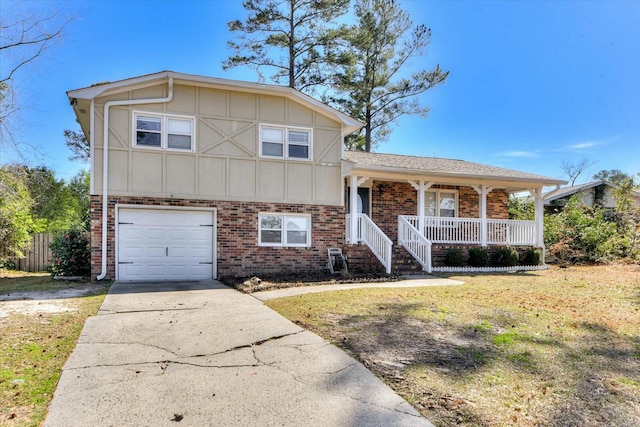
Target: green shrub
pixel 582 234
pixel 71 254
pixel 506 257
pixel 478 257
pixel 454 257
pixel 7 264
pixel 532 257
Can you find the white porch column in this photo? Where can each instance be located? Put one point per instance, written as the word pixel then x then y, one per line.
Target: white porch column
pixel 421 187
pixel 353 208
pixel 539 216
pixel 421 195
pixel 483 191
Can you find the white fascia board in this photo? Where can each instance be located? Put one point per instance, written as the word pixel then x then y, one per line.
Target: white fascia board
pixel 119 86
pixel 568 191
pixel 442 177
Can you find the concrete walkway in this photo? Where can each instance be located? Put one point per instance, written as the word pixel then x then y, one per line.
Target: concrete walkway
pixel 409 282
pixel 202 354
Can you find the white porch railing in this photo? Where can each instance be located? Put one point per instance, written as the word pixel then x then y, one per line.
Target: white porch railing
pixel 511 232
pixel 448 230
pixel 414 242
pixel 371 235
pixel 469 230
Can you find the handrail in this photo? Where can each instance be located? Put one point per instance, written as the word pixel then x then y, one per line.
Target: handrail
pixel 415 243
pixel 371 235
pixel 376 240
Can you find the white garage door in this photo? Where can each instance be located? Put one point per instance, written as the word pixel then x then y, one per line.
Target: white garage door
pixel 157 244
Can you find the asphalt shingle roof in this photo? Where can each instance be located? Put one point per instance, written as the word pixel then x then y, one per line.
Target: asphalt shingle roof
pixel 440 166
pixel 568 191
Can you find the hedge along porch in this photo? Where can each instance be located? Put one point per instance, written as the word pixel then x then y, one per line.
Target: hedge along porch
pixel 419 202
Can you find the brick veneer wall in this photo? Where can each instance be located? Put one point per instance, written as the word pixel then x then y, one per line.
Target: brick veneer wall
pixel 390 199
pixel 238 253
pixel 498 204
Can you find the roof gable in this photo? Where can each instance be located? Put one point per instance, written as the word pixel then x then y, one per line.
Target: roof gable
pixel 350 124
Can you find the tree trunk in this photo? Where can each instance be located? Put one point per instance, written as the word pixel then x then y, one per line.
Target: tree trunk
pixel 367 130
pixel 292 40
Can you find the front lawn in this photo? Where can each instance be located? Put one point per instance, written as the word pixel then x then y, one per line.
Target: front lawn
pixel 556 347
pixel 22 281
pixel 34 347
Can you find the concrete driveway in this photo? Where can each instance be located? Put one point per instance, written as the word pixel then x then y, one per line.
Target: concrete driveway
pixel 203 354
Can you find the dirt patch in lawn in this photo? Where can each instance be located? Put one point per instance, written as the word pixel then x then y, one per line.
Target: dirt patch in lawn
pixel 558 347
pixel 36 302
pixel 40 321
pixel 265 283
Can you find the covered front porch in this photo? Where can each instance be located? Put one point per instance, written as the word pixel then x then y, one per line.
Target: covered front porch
pixel 396 211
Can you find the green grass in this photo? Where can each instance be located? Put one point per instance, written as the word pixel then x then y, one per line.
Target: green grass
pixel 554 347
pixel 33 350
pixel 504 339
pixel 20 281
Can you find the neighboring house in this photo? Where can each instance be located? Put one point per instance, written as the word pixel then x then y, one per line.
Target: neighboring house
pixel 591 194
pixel 208 178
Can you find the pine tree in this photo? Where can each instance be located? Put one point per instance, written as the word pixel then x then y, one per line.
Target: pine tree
pixel 375 56
pixel 288 37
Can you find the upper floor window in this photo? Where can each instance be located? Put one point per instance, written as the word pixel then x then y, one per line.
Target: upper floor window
pixel 163 131
pixel 441 203
pixel 284 142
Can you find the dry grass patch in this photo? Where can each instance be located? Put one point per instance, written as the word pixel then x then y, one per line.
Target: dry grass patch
pixel 556 347
pixel 34 348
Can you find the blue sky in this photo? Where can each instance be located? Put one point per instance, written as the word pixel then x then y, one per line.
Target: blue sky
pixel 532 84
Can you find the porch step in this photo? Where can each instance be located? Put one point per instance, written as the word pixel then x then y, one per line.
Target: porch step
pixel 403 261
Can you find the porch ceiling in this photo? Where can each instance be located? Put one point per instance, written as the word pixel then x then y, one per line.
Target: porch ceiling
pixel 394 167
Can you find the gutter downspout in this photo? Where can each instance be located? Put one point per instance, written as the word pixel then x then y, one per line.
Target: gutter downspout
pixel 105 163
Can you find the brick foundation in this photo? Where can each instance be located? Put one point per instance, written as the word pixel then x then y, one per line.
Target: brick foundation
pixel 439 252
pixel 362 260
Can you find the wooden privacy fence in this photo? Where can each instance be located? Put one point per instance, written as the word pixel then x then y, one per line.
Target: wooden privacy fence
pixel 37 256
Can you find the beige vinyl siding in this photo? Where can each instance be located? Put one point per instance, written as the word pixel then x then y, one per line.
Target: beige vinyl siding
pixel 226 164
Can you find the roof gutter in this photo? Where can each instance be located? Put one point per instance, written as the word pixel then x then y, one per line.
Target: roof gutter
pixel 105 162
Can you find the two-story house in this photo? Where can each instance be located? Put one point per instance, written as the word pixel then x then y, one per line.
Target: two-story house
pixel 196 177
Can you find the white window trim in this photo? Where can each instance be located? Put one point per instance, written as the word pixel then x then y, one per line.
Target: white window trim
pixel 283 242
pixel 285 148
pixel 438 191
pixel 164 131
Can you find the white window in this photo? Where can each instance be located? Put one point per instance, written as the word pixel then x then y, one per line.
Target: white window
pixel 284 230
pixel 441 203
pixel 286 143
pixel 163 131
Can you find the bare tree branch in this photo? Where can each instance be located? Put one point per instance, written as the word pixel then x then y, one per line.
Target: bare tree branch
pixel 23 39
pixel 30 35
pixel 574 170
